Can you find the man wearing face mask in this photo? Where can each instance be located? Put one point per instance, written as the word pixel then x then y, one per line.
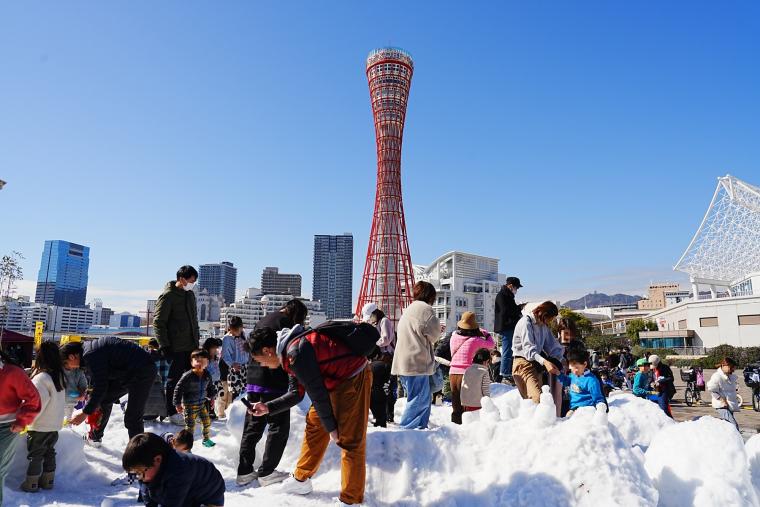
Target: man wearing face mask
pixel 507 313
pixel 176 325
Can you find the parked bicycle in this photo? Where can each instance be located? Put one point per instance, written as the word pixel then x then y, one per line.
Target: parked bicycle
pixel 695 384
pixel 752 380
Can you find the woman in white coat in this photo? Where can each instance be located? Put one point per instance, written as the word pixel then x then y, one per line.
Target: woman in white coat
pixel 722 387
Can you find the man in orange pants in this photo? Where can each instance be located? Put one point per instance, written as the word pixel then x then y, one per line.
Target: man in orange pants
pixel 339 384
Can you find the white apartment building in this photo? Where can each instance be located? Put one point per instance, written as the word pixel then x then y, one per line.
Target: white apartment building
pixel 68 319
pixel 21 315
pixel 254 305
pixel 464 282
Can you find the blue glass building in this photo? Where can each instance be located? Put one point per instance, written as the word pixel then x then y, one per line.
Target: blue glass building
pixel 62 279
pixel 333 274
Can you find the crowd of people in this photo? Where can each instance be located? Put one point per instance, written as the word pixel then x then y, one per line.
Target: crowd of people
pixel 348 370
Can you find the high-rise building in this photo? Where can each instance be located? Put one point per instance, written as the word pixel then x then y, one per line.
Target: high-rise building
pixel 62 279
pixel 388 277
pixel 69 319
pixel 333 274
pixel 274 282
pixel 102 313
pixel 219 280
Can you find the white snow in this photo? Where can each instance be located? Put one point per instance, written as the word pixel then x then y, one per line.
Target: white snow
pixel 701 463
pixel 512 453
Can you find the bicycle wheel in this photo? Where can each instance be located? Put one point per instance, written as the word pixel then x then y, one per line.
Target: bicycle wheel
pixel 756 400
pixel 689 395
pixel 740 399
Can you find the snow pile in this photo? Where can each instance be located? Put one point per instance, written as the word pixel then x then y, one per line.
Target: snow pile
pixel 701 463
pixel 752 448
pixel 637 419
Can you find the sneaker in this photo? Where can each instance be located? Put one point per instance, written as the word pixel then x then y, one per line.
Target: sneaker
pixel 93 443
pixel 274 477
pixel 245 479
pixel 293 485
pixel 208 443
pixel 177 419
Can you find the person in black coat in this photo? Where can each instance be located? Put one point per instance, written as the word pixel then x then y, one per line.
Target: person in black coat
pixel 115 367
pixel 170 478
pixel 265 385
pixel 508 313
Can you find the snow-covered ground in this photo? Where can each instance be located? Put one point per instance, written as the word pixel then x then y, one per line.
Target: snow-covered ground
pixel 512 453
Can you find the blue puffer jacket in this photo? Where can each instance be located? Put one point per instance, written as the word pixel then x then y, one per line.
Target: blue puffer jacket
pixel 184 480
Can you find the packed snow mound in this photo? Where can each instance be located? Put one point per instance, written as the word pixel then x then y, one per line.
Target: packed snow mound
pixel 638 420
pixel 752 448
pixel 701 463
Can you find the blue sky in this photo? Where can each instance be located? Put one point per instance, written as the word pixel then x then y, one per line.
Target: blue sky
pixel 578 142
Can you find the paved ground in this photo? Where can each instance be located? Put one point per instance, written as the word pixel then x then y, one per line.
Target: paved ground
pixel 748 419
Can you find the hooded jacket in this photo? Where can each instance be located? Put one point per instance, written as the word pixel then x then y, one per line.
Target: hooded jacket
pixel 176 319
pixel 416 332
pixel 19 399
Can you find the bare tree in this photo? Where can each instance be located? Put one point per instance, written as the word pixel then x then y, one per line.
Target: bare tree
pixel 10 271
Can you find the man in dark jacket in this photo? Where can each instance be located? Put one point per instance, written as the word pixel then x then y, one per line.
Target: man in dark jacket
pixel 265 385
pixel 176 325
pixel 170 478
pixel 115 367
pixel 507 314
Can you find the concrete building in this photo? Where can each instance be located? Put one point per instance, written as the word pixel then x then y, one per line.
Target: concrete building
pixel 209 305
pixel 274 282
pixel 102 314
pixel 21 315
pixel 254 305
pixel 464 282
pixel 62 278
pixel 219 280
pixel 333 274
pixel 656 295
pixel 613 320
pixel 69 319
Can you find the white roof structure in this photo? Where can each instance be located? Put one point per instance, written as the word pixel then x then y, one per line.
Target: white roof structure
pixel 726 247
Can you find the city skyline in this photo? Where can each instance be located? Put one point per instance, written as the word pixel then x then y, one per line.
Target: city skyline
pixel 544 127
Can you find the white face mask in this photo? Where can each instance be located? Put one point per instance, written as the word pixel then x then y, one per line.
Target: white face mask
pixel 189 286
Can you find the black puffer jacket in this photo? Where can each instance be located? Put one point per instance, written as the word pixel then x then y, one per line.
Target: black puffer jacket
pixel 110 360
pixel 193 389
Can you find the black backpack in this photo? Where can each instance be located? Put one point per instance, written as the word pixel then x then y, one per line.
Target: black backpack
pixel 360 338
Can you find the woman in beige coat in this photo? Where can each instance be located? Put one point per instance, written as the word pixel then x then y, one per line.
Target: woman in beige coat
pixel 413 361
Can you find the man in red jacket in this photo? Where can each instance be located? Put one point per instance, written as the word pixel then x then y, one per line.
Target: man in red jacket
pixel 339 385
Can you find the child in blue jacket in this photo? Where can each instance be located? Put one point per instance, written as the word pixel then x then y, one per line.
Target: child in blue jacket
pixel 171 478
pixel 643 380
pixel 585 388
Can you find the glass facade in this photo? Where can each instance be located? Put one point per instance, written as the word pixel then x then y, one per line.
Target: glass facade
pixel 62 279
pixel 333 274
pixel 219 280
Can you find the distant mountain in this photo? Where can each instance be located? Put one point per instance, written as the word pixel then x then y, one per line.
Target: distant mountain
pixel 600 299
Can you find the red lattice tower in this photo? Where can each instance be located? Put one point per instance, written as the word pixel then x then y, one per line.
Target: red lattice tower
pixel 388 277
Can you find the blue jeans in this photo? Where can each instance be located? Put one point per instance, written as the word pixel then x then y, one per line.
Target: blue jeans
pixel 418 401
pixel 727 415
pixel 506 353
pixel 663 400
pixel 7 450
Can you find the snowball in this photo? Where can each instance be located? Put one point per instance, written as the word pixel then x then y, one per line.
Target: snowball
pixel 701 463
pixel 546 412
pixel 637 419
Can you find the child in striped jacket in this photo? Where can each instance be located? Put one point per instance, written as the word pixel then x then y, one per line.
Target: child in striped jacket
pixel 476 382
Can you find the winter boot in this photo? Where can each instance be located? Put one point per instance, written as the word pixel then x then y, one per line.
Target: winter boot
pixel 47 479
pixel 31 484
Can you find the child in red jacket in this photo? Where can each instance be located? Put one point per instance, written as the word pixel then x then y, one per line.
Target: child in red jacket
pixel 19 405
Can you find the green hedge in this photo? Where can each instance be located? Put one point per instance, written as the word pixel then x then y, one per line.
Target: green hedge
pixel 742 355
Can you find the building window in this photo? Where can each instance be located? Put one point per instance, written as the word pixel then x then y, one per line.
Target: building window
pixel 749 320
pixel 708 322
pixel 682 324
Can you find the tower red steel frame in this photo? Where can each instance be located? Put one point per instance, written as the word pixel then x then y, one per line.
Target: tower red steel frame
pixel 388 277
